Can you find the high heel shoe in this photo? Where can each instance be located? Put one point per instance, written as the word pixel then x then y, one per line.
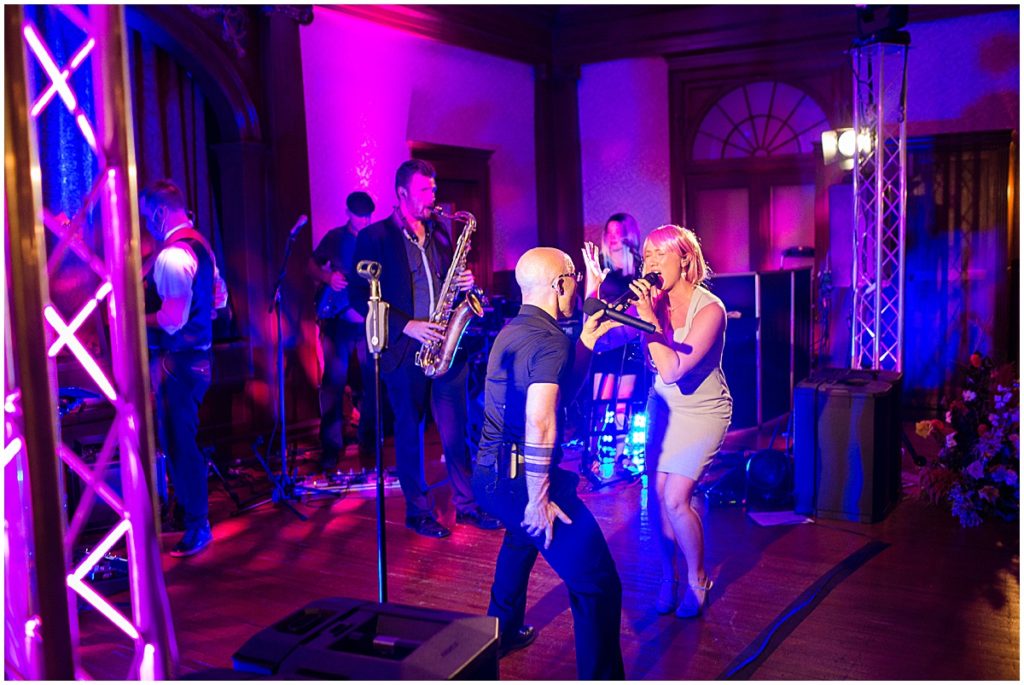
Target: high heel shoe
pixel 666 597
pixel 694 599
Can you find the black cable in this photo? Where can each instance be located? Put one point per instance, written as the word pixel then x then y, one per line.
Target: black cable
pixel 751 658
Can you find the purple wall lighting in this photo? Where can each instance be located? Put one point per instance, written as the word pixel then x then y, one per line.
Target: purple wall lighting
pixel 371 91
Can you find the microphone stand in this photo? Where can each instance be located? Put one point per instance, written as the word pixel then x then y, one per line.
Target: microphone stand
pixel 285 488
pixel 376 342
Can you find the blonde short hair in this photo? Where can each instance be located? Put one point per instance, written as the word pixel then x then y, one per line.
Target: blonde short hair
pixel 682 241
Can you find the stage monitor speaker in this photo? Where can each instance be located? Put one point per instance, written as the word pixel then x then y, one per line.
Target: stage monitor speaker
pixel 767 340
pixel 847 444
pixel 351 639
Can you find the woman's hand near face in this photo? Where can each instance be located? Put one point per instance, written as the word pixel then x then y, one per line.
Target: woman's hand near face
pixel 595 275
pixel 646 294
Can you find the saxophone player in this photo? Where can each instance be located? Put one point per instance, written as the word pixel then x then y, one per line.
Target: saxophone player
pixel 415 253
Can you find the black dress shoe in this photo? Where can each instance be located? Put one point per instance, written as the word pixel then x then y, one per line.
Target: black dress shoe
pixel 520 639
pixel 427 526
pixel 194 541
pixel 479 518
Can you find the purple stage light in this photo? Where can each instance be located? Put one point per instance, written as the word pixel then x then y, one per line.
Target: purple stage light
pixel 82 354
pixel 103 606
pixel 76 582
pixel 76 61
pixel 79 319
pixel 9 406
pixel 59 83
pixel 11 450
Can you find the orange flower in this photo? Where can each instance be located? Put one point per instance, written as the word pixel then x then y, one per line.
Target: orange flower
pixel 924 428
pixel 982 429
pixel 975 360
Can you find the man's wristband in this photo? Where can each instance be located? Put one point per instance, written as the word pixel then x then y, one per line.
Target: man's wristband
pixel 537 458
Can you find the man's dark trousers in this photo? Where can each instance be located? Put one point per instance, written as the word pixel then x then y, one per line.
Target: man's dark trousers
pixel 579 555
pixel 338 339
pixel 181 380
pixel 409 390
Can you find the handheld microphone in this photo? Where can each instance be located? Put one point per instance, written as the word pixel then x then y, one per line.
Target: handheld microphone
pixel 302 221
pixel 593 306
pixel 628 296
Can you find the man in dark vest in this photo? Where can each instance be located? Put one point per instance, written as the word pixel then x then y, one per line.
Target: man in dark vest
pixel 180 307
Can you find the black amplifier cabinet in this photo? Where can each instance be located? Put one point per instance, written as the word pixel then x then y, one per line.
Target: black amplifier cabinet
pixel 351 639
pixel 847 444
pixel 767 340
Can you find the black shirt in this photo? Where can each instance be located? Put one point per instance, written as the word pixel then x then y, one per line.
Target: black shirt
pixel 617 281
pixel 338 247
pixel 426 282
pixel 531 348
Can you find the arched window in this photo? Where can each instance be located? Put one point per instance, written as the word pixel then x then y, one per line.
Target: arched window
pixel 760 119
pixel 750 189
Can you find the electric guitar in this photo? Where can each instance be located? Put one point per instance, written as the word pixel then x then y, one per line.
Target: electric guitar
pixel 330 302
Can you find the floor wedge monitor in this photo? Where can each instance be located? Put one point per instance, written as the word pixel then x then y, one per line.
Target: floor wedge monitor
pixel 351 639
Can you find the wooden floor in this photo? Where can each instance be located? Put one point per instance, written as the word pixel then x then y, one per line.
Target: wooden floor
pixel 913 597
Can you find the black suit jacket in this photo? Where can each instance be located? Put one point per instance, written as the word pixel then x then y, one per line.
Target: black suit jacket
pixel 385 242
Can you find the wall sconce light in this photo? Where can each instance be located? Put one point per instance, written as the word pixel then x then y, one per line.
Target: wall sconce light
pixel 840 145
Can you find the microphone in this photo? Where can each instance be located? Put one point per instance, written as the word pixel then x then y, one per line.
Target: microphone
pixel 302 221
pixel 653 278
pixel 368 269
pixel 593 306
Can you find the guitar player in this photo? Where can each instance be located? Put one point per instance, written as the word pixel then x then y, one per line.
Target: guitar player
pixel 342 334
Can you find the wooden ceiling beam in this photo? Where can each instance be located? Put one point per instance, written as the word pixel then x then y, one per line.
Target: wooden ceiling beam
pixel 517 33
pixel 581 34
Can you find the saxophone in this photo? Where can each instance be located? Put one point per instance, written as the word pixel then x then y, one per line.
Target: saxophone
pixel 435 358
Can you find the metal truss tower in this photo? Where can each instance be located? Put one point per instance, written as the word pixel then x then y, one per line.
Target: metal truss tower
pixel 880 196
pixel 43 580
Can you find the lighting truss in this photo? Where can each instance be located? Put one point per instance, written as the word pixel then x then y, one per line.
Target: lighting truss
pixel 880 194
pixel 125 386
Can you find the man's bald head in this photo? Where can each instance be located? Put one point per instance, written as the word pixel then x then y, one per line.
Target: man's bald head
pixel 537 275
pixel 539 266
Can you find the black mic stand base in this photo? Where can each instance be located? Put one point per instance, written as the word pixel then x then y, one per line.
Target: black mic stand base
pixel 284 490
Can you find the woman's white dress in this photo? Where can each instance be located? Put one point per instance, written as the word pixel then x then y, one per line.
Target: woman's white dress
pixel 687 420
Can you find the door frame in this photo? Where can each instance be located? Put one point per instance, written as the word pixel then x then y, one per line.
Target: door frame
pixel 468 164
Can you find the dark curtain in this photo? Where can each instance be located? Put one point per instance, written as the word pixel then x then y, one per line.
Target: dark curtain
pixel 957 290
pixel 173 131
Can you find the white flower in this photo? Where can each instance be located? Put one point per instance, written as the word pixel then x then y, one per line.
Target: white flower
pixel 951 440
pixel 969 395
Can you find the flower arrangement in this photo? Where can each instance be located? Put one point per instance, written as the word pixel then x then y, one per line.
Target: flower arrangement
pixel 978 465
